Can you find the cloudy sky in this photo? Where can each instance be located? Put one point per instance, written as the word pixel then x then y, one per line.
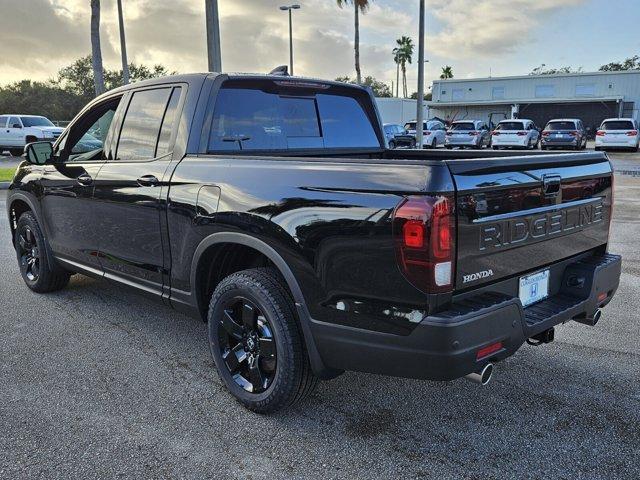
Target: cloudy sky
pixel 506 37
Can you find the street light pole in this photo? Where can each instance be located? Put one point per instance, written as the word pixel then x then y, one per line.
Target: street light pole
pixel 420 103
pixel 214 55
pixel 123 46
pixel 289 8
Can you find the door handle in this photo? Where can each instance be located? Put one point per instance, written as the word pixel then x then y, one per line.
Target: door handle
pixel 84 179
pixel 148 181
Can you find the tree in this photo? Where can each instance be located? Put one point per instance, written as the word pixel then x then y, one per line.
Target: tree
pixel 403 53
pixel 380 89
pixel 541 70
pixel 396 59
pixel 64 96
pixel 96 51
pixel 427 96
pixel 632 63
pixel 447 72
pixel 359 6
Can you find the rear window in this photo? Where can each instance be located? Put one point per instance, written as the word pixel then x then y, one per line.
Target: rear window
pixel 618 125
pixel 141 125
pixel 560 126
pixel 510 126
pixel 254 119
pixel 463 126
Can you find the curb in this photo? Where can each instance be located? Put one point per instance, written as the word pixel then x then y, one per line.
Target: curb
pixel 4 185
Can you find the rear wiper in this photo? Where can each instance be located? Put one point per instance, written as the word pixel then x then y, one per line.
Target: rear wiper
pixel 236 138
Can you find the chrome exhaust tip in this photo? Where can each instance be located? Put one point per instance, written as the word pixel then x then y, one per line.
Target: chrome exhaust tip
pixel 483 376
pixel 592 319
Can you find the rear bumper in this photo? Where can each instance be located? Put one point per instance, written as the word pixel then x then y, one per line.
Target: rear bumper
pixel 631 143
pixel 444 346
pixel 464 142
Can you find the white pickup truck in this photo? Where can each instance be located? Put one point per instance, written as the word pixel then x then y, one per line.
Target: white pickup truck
pixel 18 130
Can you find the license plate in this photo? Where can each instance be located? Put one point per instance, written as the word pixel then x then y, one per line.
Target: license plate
pixel 534 288
pixel 558 135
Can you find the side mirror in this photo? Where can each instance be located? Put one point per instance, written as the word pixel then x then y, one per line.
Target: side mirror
pixel 16 125
pixel 39 153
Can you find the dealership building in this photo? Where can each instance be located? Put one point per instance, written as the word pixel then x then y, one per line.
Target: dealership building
pixel 591 97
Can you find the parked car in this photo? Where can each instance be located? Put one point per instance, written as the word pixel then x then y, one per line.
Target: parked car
pixel 468 133
pixel 18 130
pixel 397 136
pixel 618 133
pixel 564 133
pixel 518 133
pixel 433 134
pixel 269 207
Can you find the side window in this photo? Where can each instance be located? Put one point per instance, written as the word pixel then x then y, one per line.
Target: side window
pixel 169 123
pixel 14 122
pixel 86 138
pixel 3 121
pixel 141 125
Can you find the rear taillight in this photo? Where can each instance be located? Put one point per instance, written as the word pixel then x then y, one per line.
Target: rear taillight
pixel 601 133
pixel 424 237
pixel 426 132
pixel 573 134
pixel 495 132
pixel 473 134
pixel 546 134
pixel 522 134
pixel 632 133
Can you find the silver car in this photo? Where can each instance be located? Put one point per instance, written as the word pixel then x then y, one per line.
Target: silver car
pixel 468 133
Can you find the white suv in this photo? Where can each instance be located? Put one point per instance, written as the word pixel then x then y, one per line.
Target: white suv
pixel 18 130
pixel 518 133
pixel 618 133
pixel 433 133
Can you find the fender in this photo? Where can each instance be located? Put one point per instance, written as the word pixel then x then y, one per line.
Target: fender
pixel 35 208
pixel 317 365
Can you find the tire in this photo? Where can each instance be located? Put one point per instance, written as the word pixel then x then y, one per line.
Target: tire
pixel 16 152
pixel 434 143
pixel 392 145
pixel 448 147
pixel 38 268
pixel 238 341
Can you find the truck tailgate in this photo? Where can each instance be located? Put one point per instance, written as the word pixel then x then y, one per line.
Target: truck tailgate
pixel 516 215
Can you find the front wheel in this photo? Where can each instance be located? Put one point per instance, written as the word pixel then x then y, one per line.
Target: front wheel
pixel 392 145
pixel 16 152
pixel 38 268
pixel 256 341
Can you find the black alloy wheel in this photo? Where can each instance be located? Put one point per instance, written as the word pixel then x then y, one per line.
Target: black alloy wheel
pixel 247 344
pixel 39 270
pixel 257 342
pixel 28 254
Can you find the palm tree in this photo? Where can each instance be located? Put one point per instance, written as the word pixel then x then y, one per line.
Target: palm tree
pixel 396 58
pixel 96 51
pixel 360 6
pixel 402 54
pixel 447 72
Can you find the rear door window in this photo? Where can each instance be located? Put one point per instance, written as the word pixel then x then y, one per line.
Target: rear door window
pixel 618 125
pixel 141 125
pixel 253 119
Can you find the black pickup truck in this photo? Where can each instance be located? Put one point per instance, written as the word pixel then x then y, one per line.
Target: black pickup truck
pixel 269 207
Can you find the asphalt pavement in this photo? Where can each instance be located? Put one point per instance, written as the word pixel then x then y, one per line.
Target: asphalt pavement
pixel 97 382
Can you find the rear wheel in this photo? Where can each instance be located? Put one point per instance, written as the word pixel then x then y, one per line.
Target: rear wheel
pixel 392 145
pixel 38 268
pixel 256 341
